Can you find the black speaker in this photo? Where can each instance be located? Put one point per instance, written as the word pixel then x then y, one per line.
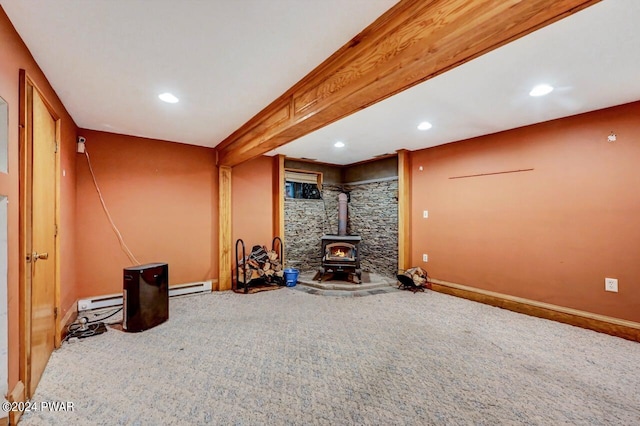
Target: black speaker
pixel 145 296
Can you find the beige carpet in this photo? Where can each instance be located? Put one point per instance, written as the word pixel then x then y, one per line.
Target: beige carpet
pixel 288 357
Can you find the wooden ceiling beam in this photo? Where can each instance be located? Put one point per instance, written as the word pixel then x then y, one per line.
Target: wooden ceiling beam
pixel 412 42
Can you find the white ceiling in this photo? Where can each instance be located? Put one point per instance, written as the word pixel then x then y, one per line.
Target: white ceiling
pixel 592 58
pixel 224 59
pixel 228 59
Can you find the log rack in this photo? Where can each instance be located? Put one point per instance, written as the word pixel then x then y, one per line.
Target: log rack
pixel 275 243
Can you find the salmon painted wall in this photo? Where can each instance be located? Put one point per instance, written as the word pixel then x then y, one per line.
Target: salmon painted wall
pixel 160 196
pixel 251 203
pixel 551 234
pixel 14 56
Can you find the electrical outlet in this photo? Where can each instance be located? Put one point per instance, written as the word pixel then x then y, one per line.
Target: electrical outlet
pixel 425 214
pixel 611 284
pixel 425 257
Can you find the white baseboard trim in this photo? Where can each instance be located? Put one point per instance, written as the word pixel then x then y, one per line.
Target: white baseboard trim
pixel 111 300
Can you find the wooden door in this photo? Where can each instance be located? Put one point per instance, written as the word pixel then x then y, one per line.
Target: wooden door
pixel 41 265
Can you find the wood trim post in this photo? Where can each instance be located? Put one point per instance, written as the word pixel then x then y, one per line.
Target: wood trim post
pixel 58 246
pixel 24 237
pixel 278 197
pixel 224 229
pixel 404 209
pixel 18 394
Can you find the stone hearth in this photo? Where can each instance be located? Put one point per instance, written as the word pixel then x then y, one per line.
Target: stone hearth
pixel 372 284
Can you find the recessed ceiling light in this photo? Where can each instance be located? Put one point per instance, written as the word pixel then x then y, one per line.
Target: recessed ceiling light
pixel 425 125
pixel 339 144
pixel 541 90
pixel 168 97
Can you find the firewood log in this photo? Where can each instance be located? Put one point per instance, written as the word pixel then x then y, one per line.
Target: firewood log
pixel 280 274
pixel 269 272
pixel 266 266
pixel 241 275
pixel 272 255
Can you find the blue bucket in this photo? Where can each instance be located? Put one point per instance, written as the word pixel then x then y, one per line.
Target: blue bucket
pixel 291 276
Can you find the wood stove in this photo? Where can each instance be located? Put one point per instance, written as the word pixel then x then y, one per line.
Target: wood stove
pixel 340 255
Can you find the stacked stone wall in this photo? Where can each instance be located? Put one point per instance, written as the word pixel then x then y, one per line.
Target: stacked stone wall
pixel 305 222
pixel 373 214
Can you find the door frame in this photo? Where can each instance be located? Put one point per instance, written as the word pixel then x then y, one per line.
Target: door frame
pixel 25 182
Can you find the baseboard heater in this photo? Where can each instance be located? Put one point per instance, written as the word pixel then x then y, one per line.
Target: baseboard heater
pixel 111 300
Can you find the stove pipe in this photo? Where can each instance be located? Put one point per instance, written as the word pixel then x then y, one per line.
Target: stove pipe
pixel 342 214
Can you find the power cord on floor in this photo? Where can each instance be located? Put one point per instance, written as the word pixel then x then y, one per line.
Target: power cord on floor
pixel 80 331
pixel 104 318
pixel 82 327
